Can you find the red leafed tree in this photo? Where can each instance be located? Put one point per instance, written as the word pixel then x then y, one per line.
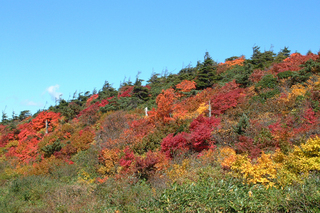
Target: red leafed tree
pixel 199 139
pixel 89 115
pixel 93 97
pixel 146 166
pixel 127 160
pixel 201 129
pixel 293 62
pixel 52 118
pixel 165 102
pixel 247 145
pixel 222 67
pixel 174 145
pixel 27 148
pixel 125 91
pixel 228 97
pixel 186 86
pixel 26 130
pixel 257 75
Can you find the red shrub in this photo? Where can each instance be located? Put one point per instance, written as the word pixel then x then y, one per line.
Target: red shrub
pixel 127 160
pixel 52 118
pixel 293 62
pixel 198 140
pixel 93 97
pixel 201 129
pixel 6 137
pixel 78 141
pixel 201 120
pixel 145 167
pixel 228 97
pixel 201 138
pixel 257 75
pixel 125 91
pixel 165 102
pixel 246 145
pixel 172 145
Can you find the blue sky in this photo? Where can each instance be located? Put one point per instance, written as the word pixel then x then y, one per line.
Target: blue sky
pixel 51 48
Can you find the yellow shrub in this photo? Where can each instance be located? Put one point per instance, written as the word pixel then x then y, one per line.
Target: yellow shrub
pixel 263 172
pixel 12 144
pixel 304 158
pixel 226 157
pixel 298 164
pixel 10 172
pixel 202 108
pixel 84 177
pixel 39 168
pixel 178 171
pixel 110 157
pixel 286 102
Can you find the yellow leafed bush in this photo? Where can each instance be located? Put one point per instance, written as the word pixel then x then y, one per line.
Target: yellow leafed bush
pixel 263 172
pixel 110 157
pixel 178 171
pixel 84 177
pixel 227 156
pixel 298 164
pixel 12 144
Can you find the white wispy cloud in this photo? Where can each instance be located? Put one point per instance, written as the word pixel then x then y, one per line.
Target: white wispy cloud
pixel 52 90
pixel 32 103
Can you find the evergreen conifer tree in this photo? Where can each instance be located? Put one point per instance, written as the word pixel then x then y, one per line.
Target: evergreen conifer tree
pixel 207 74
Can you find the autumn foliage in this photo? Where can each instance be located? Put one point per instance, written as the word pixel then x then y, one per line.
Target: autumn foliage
pixel 227 97
pixel 222 67
pixel 198 139
pixel 264 132
pixel 293 63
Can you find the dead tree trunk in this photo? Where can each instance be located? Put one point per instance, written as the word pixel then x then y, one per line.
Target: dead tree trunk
pixel 146 111
pixel 46 126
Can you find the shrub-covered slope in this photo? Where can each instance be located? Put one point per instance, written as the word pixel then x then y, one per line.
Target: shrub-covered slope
pixel 242 135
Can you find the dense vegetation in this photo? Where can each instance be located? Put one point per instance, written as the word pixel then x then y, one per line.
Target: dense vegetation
pixel 242 135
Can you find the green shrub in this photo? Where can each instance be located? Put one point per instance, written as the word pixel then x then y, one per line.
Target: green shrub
pixel 268 81
pixel 242 125
pixel 285 74
pixel 50 149
pixel 87 161
pixel 150 142
pixel 264 96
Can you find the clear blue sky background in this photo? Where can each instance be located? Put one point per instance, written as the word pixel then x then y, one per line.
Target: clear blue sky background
pixel 52 47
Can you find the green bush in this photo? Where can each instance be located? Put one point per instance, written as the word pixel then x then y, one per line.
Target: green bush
pixel 268 81
pixel 285 74
pixel 264 96
pixel 50 149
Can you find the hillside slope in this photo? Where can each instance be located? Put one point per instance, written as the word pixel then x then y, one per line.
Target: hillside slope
pixel 242 135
